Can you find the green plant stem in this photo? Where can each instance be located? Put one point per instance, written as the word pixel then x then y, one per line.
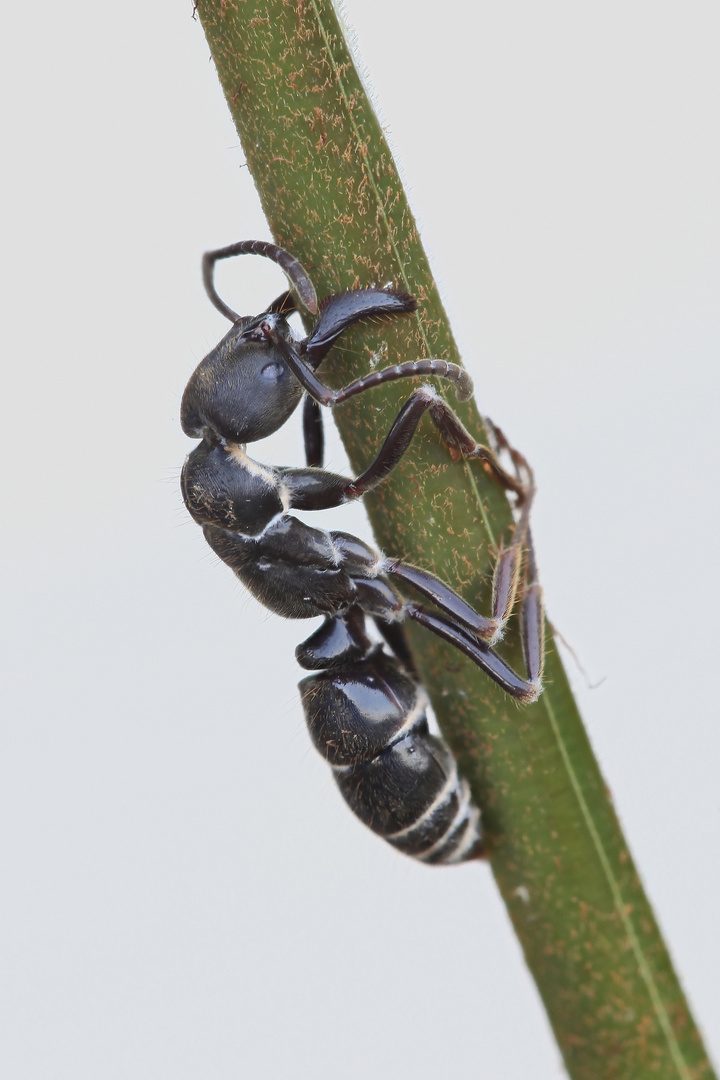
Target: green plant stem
pixel 331 193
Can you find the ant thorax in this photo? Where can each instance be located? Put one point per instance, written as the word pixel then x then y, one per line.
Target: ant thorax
pixel 222 486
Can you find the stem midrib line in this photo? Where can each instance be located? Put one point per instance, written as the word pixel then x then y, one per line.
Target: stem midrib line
pixel 620 905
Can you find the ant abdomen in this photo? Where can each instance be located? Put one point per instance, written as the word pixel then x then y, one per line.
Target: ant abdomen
pixel 368 720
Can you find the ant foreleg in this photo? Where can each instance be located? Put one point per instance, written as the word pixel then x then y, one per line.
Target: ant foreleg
pixel 325 395
pixel 454 433
pixel 340 311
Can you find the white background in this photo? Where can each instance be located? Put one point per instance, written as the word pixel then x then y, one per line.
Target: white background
pixel 183 894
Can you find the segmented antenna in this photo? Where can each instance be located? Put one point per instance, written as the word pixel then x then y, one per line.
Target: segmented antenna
pixel 296 273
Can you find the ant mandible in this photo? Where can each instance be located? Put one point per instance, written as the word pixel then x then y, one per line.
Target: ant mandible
pixel 365 710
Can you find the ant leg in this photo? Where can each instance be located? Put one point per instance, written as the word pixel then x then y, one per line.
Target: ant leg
pixel 324 395
pixel 431 587
pixel 506 574
pixel 456 437
pixel 525 690
pixel 458 440
pixel 464 628
pixel 320 491
pixel 470 621
pixel 456 622
pixel 506 580
pixel 471 632
pixel 440 369
pixel 340 311
pixel 313 434
pixel 533 616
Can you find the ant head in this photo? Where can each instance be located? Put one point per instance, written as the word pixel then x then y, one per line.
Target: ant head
pixel 243 390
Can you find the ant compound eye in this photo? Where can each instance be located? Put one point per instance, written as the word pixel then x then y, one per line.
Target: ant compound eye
pixel 272 371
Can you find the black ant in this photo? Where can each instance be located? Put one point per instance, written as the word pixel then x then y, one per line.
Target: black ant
pixel 365 710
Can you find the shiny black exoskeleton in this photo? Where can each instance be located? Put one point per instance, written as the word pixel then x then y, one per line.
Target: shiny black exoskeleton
pixel 367 717
pixel 244 390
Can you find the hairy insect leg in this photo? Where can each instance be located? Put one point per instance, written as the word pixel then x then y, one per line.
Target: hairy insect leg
pixel 340 311
pixel 520 482
pixel 433 588
pixel 506 576
pixel 316 492
pixel 321 491
pixel 471 632
pixel 325 395
pixel 310 490
pixel 532 617
pixel 482 654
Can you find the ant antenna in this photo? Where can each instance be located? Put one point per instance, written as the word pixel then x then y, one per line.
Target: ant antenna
pixel 296 273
